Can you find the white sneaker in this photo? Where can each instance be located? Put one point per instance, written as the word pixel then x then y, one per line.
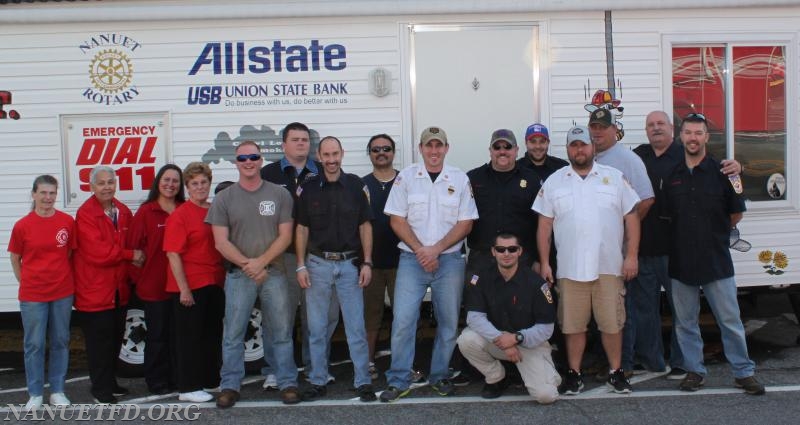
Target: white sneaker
pixel 34 403
pixel 59 399
pixel 196 396
pixel 270 382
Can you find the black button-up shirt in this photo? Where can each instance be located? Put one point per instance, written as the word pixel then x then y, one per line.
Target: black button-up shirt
pixel 655 237
pixel 700 202
pixel 550 165
pixel 385 252
pixel 332 211
pixel 504 201
pixel 511 306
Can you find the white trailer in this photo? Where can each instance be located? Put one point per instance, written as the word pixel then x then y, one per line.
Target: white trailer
pixel 136 84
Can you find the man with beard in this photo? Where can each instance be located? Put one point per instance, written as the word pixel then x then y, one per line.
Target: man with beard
pixel 703 207
pixel 537 142
pixel 291 172
pixel 333 241
pixel 510 317
pixel 592 209
pixel 642 341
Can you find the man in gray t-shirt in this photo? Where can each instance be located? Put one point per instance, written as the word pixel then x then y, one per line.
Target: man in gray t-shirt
pixel 252 226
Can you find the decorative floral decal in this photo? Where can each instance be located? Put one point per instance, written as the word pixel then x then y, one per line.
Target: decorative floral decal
pixel 773 263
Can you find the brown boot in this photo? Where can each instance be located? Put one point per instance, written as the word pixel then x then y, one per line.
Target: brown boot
pixel 290 395
pixel 227 398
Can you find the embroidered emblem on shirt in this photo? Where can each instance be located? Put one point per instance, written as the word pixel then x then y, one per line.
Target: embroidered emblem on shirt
pixel 523 183
pixel 398 180
pixel 266 208
pixel 62 237
pixel 451 190
pixel 298 191
pixel 474 280
pixel 546 291
pixel 605 180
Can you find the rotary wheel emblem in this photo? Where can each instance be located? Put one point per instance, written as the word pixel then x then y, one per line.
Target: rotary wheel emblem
pixel 110 71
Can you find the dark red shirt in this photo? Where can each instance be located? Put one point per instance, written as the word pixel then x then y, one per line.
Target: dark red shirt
pixel 147 234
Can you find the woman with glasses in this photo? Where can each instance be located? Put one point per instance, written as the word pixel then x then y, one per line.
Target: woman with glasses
pixel 42 242
pixel 101 279
pixel 195 278
pixel 147 234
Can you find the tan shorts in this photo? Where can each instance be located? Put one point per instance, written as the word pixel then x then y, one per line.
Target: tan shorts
pixel 375 296
pixel 604 297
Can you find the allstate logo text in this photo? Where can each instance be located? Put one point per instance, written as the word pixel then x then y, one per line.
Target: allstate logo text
pixel 237 58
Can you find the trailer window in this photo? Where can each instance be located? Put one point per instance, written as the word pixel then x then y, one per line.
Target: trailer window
pixel 742 92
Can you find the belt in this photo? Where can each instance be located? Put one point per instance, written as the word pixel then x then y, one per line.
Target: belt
pixel 335 256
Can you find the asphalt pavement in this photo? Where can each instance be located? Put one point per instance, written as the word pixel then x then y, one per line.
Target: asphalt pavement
pixel 772 342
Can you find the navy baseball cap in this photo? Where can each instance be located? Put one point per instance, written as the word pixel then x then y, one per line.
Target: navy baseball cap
pixel 536 130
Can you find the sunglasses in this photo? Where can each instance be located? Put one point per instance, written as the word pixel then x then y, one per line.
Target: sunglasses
pixel 502 249
pixel 252 157
pixel 696 117
pixel 737 243
pixel 503 147
pixel 377 149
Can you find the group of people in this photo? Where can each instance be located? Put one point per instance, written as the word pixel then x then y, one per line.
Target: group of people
pixel 549 241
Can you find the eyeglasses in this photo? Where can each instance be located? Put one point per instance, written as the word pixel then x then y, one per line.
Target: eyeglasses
pixel 502 249
pixel 377 149
pixel 695 117
pixel 503 147
pixel 252 157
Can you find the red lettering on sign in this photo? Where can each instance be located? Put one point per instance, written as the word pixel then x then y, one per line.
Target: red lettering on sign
pixel 147 152
pixel 90 152
pixel 110 149
pixel 129 151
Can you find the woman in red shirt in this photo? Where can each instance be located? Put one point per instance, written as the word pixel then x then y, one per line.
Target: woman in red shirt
pixel 150 281
pixel 41 244
pixel 101 279
pixel 195 278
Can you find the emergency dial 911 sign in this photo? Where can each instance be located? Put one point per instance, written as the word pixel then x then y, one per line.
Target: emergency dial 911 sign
pixel 134 145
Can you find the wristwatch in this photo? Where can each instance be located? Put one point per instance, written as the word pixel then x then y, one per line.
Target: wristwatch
pixel 520 337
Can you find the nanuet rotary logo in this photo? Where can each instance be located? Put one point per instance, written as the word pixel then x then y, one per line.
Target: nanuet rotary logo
pixel 110 68
pixel 111 71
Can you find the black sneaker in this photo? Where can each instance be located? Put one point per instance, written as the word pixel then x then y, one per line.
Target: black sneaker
pixel 750 385
pixel 460 379
pixel 494 390
pixel 676 374
pixel 444 387
pixel 392 394
pixel 315 392
pixel 418 377
pixel 692 382
pixel 104 399
pixel 366 393
pixel 120 391
pixel 572 383
pixel 618 382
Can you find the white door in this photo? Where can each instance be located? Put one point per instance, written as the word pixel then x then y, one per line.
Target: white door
pixel 472 80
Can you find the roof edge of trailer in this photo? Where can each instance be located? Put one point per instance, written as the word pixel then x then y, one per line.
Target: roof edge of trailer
pixel 49 11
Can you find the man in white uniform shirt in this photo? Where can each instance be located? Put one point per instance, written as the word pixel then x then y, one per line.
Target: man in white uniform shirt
pixel 431 210
pixel 592 210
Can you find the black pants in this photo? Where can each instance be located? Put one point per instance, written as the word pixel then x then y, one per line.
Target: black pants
pixel 198 337
pixel 159 350
pixel 102 333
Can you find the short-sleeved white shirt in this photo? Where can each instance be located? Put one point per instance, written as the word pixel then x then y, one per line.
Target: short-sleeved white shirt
pixel 431 208
pixel 587 220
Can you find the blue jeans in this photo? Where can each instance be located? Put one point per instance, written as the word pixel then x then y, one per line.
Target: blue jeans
pixel 297 296
pixel 447 285
pixel 339 278
pixel 675 353
pixel 721 297
pixel 240 296
pixel 641 338
pixel 40 319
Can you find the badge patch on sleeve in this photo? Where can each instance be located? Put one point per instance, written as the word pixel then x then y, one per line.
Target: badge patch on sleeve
pixel 546 291
pixel 474 280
